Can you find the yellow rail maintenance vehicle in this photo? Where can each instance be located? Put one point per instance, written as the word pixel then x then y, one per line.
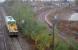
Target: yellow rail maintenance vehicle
pixel 11 26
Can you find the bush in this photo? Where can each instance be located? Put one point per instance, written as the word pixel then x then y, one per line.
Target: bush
pixel 62 46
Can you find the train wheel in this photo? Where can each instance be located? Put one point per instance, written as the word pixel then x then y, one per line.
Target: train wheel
pixel 13 34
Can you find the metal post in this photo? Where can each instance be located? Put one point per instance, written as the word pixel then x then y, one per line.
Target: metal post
pixel 53 47
pixel 54 26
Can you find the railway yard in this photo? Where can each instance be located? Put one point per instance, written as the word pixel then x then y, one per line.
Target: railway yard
pixel 55 18
pixel 66 28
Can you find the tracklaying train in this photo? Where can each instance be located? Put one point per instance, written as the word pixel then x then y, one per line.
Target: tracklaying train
pixel 11 25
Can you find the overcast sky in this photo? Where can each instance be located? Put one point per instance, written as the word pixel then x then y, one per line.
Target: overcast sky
pixel 52 0
pixel 67 0
pixel 2 1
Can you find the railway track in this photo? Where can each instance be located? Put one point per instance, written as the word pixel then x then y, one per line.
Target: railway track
pixel 18 43
pixel 15 44
pixel 3 33
pixel 5 39
pixel 10 43
pixel 44 17
pixel 64 38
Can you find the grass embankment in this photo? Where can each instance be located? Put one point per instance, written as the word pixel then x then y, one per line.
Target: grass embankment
pixel 29 26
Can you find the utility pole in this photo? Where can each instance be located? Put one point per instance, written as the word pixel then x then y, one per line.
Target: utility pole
pixel 53 33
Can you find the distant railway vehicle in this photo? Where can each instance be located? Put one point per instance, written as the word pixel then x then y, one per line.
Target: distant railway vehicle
pixel 11 25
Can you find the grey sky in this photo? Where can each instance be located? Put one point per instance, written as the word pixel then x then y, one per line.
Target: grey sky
pixel 51 0
pixel 2 1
